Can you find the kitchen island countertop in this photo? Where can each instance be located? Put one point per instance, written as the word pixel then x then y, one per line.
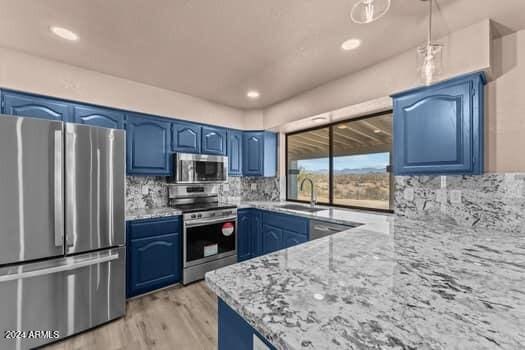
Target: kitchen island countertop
pixel 392 283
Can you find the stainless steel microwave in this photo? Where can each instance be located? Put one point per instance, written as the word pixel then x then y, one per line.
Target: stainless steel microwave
pixel 191 168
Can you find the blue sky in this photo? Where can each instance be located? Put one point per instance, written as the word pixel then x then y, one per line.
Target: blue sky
pixel 373 160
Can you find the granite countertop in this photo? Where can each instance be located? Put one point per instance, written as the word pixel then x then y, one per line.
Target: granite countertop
pixel 389 284
pixel 138 214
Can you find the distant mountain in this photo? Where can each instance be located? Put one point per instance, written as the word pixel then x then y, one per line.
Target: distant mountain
pixel 347 171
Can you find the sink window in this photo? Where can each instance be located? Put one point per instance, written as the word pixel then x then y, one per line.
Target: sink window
pixel 349 163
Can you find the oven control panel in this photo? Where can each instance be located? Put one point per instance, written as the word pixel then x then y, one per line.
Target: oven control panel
pixel 210 215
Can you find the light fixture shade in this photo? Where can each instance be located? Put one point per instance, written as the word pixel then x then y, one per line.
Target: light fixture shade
pixel 430 62
pixel 366 11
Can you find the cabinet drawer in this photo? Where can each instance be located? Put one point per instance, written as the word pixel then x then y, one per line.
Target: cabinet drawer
pixel 286 222
pixel 153 227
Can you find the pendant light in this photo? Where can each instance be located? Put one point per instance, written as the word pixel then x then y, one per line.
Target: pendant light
pixel 366 11
pixel 430 55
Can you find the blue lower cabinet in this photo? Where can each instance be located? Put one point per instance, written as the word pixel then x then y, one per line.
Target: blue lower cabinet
pixel 244 235
pixel 148 146
pixel 248 234
pixel 280 231
pixel 97 116
pixel 153 261
pixel 234 332
pixel 272 239
pixel 28 105
pixel 293 238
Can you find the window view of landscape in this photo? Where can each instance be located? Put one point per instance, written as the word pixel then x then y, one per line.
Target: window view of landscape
pixel 361 158
pixel 309 157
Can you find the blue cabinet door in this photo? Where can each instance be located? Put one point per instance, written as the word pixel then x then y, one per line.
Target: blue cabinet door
pixel 154 262
pixel 293 238
pixel 235 153
pixel 439 129
pixel 245 237
pixel 272 239
pixel 148 146
pixel 257 248
pixel 186 137
pixel 96 116
pixel 234 332
pixel 27 105
pixel 253 154
pixel 213 141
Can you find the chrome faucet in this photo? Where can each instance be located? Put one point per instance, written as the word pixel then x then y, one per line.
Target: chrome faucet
pixel 313 196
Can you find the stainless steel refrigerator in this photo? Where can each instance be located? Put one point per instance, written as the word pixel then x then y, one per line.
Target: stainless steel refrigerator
pixel 62 229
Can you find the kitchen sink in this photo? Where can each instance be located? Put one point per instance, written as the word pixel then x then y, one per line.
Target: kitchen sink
pixel 299 207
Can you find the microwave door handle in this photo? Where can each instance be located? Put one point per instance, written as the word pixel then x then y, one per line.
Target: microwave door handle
pixel 58 189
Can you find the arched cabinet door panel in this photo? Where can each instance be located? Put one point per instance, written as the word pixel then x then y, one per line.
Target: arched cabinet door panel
pixel 214 141
pixel 96 116
pixel 186 137
pixel 154 262
pixel 439 129
pixel 148 146
pixel 235 153
pixel 27 105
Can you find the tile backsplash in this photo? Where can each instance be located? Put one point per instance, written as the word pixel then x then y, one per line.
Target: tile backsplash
pixel 146 192
pixel 152 192
pixel 491 200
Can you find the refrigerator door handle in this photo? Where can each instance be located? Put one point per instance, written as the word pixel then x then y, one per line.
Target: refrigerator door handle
pixel 61 268
pixel 58 189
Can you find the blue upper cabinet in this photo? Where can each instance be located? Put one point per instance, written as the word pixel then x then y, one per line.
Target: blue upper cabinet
pixel 27 105
pixel 213 141
pixel 148 146
pixel 259 153
pixel 235 153
pixel 439 129
pixel 186 137
pixel 96 116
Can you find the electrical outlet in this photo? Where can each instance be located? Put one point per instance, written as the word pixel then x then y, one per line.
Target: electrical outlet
pixel 253 187
pixel 441 196
pixel 409 194
pixel 258 344
pixel 145 190
pixel 225 187
pixel 455 196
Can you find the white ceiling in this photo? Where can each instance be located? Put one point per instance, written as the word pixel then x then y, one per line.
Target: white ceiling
pixel 218 49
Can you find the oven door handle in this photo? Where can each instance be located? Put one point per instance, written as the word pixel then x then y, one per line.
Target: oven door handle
pixel 205 222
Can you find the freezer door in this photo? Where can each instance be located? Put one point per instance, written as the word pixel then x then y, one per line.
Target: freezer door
pixel 95 175
pixel 60 297
pixel 31 189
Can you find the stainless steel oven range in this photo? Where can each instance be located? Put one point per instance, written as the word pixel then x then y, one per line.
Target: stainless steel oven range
pixel 209 229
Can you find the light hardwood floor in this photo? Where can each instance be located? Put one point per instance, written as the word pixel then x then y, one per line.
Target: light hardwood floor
pixel 176 318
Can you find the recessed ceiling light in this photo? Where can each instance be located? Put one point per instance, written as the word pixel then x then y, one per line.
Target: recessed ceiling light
pixel 351 44
pixel 64 33
pixel 318 119
pixel 377 131
pixel 253 94
pixel 342 126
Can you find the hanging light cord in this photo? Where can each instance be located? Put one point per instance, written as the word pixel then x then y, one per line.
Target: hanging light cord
pixel 429 39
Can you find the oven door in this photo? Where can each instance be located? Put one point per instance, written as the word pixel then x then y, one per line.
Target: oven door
pixel 199 168
pixel 210 240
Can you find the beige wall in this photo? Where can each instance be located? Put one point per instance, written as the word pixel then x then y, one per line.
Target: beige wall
pixel 28 73
pixel 466 50
pixel 505 120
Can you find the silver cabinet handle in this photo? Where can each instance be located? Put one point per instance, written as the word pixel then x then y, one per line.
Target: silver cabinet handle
pixel 58 190
pixel 55 269
pixel 325 228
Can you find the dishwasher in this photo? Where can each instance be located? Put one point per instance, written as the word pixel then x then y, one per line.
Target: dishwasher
pixel 320 229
